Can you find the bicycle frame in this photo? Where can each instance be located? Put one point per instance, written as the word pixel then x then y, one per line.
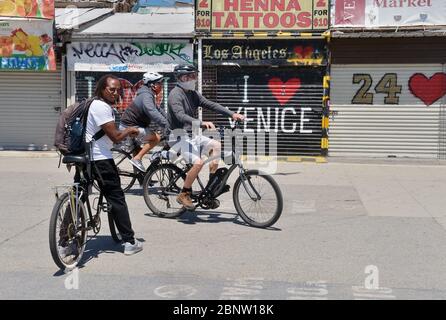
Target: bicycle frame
pixel 236 163
pixel 80 191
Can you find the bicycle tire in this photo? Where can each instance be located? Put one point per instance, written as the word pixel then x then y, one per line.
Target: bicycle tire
pixel 123 171
pixel 157 174
pixel 113 230
pixel 53 235
pixel 246 217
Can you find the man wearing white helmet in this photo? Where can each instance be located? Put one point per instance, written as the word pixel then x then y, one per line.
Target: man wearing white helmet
pixel 143 113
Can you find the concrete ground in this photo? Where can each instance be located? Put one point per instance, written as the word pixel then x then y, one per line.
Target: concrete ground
pixel 350 229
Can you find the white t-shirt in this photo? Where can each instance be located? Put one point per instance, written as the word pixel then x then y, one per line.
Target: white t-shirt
pixel 99 114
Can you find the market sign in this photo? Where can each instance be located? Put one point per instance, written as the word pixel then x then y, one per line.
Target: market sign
pixel 263 52
pixel 27 8
pixel 136 56
pixel 385 13
pixel 27 45
pixel 261 15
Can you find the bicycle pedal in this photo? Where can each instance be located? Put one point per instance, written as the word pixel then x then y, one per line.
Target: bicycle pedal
pixel 106 207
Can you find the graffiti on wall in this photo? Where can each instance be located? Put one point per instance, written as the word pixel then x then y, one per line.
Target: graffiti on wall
pixel 129 56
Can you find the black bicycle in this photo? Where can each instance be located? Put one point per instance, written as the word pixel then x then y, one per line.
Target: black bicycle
pixel 72 217
pixel 256 195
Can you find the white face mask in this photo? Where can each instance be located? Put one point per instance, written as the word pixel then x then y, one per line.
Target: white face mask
pixel 188 85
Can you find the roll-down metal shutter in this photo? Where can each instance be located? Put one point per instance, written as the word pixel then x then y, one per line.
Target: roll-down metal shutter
pixel 388 110
pixel 284 100
pixel 29 109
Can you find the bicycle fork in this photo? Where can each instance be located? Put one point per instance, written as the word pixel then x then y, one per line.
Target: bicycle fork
pixel 246 180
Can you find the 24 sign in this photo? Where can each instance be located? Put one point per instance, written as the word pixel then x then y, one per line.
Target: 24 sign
pixel 426 89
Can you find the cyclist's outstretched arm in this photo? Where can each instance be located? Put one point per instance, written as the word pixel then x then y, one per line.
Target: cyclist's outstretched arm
pixel 216 107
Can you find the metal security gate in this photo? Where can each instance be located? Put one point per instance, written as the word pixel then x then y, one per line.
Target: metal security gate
pixel 388 110
pixel 286 101
pixel 29 109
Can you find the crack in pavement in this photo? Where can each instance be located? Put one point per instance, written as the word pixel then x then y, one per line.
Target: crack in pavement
pixel 23 231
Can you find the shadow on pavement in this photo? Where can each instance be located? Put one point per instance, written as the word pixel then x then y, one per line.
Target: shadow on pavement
pixel 95 247
pixel 200 216
pixel 285 173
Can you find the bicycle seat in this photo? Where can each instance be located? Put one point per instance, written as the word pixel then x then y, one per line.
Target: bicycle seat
pixel 74 159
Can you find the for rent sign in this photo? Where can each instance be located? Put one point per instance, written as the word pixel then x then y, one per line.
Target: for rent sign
pixel 261 15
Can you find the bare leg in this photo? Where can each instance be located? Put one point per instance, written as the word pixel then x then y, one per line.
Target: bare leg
pixel 152 141
pixel 193 174
pixel 215 150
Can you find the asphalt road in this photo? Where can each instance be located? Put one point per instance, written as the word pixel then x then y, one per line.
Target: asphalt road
pixel 349 230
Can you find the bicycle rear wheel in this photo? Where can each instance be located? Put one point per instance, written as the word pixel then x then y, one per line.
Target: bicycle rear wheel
pixel 127 172
pixel 67 236
pixel 161 187
pixel 258 201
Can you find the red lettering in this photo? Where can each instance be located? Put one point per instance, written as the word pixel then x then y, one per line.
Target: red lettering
pixel 218 16
pixel 256 19
pixel 246 5
pixel 245 16
pixel 231 3
pixel 231 21
pixel 293 5
pixel 261 5
pixel 288 20
pixel 304 19
pixel 267 20
pixel 277 5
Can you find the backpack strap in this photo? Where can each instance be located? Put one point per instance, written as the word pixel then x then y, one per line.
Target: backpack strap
pixel 98 135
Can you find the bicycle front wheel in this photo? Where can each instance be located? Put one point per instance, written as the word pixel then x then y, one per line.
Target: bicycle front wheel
pixel 68 232
pixel 127 172
pixel 258 199
pixel 161 187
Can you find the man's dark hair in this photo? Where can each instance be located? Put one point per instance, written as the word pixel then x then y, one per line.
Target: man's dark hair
pixel 102 84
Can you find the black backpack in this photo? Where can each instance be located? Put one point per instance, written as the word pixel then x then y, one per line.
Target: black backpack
pixel 70 130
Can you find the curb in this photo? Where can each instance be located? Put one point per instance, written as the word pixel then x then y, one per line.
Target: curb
pixel 315 159
pixel 29 154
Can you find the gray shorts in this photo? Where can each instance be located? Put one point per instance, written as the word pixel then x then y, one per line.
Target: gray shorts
pixel 139 140
pixel 191 149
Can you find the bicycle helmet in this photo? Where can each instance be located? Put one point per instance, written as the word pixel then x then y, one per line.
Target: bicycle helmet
pixel 182 69
pixel 152 77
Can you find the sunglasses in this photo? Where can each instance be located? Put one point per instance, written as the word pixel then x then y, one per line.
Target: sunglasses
pixel 114 90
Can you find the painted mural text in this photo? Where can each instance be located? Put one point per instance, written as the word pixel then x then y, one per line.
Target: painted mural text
pixel 127 52
pixel 427 89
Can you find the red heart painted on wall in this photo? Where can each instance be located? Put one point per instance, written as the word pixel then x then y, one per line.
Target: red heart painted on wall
pixel 428 90
pixel 128 93
pixel 303 53
pixel 283 91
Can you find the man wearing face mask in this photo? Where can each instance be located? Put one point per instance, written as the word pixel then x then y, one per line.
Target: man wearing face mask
pixel 183 104
pixel 145 114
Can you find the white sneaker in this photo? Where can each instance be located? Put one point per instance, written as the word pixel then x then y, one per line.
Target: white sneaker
pixel 130 249
pixel 138 164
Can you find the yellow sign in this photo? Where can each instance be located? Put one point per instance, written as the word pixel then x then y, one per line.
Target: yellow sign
pixel 261 15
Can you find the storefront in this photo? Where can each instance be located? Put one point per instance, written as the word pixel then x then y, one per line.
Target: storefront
pixel 275 78
pixel 90 55
pixel 30 78
pixel 388 92
pixel 269 83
